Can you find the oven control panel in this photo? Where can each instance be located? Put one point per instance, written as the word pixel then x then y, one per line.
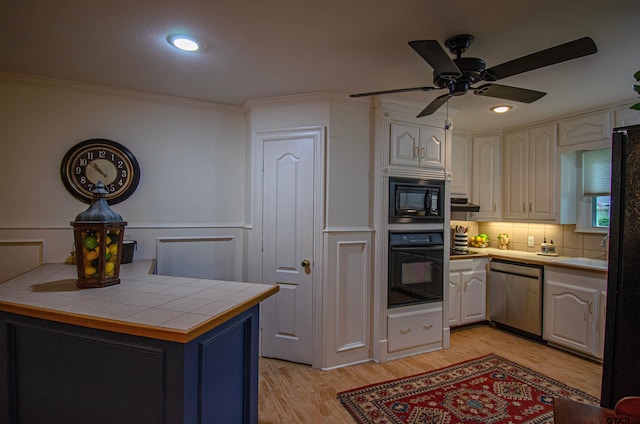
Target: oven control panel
pixel 414 238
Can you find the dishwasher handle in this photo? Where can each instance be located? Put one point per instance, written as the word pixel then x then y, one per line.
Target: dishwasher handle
pixel 516 268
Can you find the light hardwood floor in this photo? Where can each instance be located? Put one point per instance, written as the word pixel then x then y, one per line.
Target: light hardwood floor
pixel 293 393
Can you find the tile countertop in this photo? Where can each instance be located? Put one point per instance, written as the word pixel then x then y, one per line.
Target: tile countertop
pixel 144 304
pixel 527 257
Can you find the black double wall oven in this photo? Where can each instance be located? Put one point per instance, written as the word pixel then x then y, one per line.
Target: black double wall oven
pixel 416 247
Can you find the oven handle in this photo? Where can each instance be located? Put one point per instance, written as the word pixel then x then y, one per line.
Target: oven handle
pixel 431 248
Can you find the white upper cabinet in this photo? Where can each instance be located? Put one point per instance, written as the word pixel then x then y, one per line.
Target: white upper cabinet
pixel 530 174
pixel 417 146
pixel 461 165
pixel 625 116
pixel 486 177
pixel 585 128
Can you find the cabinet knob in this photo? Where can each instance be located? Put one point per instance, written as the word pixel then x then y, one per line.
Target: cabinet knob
pixel 427 327
pixel 405 331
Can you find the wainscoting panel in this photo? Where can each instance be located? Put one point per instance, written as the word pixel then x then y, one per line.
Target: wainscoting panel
pixel 348 291
pixel 198 257
pixel 350 285
pixel 17 257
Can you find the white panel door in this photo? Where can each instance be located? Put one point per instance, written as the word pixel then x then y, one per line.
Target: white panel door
pixel 287 225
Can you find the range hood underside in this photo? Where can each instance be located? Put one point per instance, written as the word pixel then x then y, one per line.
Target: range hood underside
pixel 463 205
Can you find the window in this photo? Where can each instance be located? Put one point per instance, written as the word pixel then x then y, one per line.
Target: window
pixel 600 206
pixel 594 190
pixel 596 172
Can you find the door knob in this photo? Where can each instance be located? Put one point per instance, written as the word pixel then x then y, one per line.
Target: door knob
pixel 306 264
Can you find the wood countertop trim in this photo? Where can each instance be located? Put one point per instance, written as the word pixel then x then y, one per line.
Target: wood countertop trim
pixel 150 331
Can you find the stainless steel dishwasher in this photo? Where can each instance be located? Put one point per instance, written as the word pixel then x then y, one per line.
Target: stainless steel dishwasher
pixel 515 295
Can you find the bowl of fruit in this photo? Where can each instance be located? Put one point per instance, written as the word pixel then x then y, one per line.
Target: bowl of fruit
pixel 481 240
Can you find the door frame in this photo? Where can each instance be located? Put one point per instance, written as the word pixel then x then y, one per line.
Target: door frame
pixel 254 251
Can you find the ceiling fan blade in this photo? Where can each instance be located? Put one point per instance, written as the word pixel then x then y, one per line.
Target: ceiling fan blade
pixel 561 53
pixel 399 90
pixel 433 53
pixel 434 105
pixel 506 92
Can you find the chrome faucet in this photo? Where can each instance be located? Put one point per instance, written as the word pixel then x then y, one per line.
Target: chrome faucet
pixel 604 240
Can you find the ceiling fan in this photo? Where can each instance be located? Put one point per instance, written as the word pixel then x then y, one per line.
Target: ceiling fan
pixel 459 74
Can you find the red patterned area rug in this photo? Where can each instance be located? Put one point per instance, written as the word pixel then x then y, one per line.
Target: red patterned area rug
pixel 487 390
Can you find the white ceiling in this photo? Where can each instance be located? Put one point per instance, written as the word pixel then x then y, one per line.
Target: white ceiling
pixel 264 48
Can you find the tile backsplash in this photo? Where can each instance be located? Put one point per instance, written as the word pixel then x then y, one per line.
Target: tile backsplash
pixel 567 241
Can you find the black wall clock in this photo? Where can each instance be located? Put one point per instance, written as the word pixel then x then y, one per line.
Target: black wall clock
pixel 99 159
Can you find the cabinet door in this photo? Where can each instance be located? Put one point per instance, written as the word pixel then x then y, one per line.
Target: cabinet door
pixel 570 316
pixel 431 149
pixel 543 159
pixel 516 177
pixel 474 296
pixel 454 299
pixel 461 165
pixel 486 177
pixel 405 145
pixel 586 128
pixel 602 318
pixel 530 178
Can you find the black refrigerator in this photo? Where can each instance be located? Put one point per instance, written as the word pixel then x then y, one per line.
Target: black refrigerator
pixel 621 364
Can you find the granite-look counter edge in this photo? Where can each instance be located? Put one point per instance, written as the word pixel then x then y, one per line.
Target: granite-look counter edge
pixel 177 309
pixel 526 257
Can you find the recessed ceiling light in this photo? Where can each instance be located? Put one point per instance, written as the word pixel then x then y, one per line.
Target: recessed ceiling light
pixel 184 43
pixel 501 108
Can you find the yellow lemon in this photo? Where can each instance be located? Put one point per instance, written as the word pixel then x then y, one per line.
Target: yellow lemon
pixel 91 255
pixel 89 271
pixel 109 268
pixel 113 248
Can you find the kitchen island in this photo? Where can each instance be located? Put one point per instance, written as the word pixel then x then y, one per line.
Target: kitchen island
pixel 152 349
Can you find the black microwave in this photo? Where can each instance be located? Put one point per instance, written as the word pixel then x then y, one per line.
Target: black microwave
pixel 413 200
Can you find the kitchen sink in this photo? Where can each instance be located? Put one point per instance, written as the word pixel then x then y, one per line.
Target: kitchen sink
pixel 584 262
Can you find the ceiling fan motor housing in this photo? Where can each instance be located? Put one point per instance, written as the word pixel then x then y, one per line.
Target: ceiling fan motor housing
pixel 472 69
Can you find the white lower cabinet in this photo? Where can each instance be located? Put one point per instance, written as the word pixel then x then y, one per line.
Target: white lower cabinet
pixel 573 310
pixel 467 291
pixel 413 329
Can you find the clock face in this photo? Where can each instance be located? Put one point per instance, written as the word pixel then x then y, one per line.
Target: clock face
pixel 95 160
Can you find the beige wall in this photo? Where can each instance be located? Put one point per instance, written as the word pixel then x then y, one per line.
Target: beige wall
pixel 191 154
pixel 195 159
